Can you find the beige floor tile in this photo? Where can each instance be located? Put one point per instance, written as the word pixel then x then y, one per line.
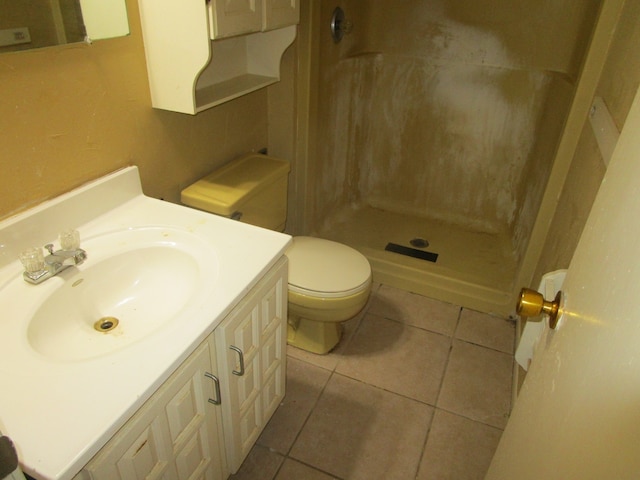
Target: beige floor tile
pixel 458 448
pixel 260 464
pixel 486 330
pixel 304 385
pixel 330 360
pixel 415 310
pixel 292 470
pixel 360 432
pixel 477 384
pixel 397 357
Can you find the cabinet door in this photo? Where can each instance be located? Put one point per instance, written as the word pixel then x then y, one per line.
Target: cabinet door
pixel 242 376
pixel 195 425
pixel 280 13
pixel 235 17
pixel 273 346
pixel 175 435
pixel 253 337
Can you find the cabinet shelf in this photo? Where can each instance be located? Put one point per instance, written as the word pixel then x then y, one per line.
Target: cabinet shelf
pixel 241 65
pixel 221 92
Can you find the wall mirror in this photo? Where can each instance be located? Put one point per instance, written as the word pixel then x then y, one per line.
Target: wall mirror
pixel 29 24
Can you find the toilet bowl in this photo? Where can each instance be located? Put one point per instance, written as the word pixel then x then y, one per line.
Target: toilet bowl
pixel 329 282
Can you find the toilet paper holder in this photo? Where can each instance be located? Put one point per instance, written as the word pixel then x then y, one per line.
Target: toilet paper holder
pixel 532 304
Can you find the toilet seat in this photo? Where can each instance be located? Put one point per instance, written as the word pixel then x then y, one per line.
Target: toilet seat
pixel 325 269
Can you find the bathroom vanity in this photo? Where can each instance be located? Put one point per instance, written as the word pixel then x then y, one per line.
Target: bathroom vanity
pixel 185 383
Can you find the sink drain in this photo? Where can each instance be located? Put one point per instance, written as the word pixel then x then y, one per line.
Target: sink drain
pixel 106 324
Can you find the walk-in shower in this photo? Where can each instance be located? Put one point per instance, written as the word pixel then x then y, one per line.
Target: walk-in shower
pixel 439 120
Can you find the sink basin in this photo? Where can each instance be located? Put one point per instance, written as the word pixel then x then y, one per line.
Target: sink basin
pixel 132 284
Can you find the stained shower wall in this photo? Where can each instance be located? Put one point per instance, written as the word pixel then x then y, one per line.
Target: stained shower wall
pixel 447 109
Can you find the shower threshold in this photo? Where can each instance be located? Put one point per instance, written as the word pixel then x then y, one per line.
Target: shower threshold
pixel 473 269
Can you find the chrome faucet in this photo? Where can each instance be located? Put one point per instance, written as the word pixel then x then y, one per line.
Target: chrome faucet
pixel 39 268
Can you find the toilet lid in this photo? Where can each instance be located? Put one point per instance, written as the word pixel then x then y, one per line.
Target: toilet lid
pixel 318 266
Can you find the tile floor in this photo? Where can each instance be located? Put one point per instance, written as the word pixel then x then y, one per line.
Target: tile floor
pixel 417 389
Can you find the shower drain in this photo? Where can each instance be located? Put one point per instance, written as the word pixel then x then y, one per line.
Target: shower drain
pixel 419 242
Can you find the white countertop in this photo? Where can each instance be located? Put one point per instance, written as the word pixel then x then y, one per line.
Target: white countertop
pixel 60 413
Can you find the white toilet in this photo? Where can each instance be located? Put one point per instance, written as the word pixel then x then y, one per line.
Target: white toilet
pixel 328 282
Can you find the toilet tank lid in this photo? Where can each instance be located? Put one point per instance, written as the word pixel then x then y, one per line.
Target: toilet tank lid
pixel 225 189
pixel 324 266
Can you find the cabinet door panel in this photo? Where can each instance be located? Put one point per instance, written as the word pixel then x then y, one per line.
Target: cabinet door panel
pixel 272 353
pixel 272 309
pixel 250 426
pixel 274 365
pixel 234 17
pixel 280 13
pixel 193 460
pixel 238 7
pixel 145 458
pixel 248 385
pixel 273 392
pixel 245 337
pixel 183 412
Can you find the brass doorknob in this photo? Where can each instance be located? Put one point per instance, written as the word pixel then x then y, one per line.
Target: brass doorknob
pixel 532 304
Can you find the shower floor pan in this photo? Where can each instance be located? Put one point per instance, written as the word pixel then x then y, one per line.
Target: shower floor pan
pixel 473 269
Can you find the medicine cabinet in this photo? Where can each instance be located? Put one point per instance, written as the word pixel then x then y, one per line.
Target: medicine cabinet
pixel 203 53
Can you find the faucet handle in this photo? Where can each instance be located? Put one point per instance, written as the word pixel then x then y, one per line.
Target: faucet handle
pixel 32 259
pixel 69 240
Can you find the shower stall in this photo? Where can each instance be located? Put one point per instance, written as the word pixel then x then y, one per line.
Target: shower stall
pixel 433 130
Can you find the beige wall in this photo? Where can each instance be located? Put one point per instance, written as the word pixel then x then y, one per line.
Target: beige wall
pixel 617 86
pixel 70 114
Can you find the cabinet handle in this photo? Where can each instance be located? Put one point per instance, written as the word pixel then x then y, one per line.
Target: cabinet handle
pixel 240 372
pixel 216 386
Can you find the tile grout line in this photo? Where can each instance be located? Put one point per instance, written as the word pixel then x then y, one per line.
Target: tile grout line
pixel 435 407
pixel 286 455
pixel 452 338
pixel 332 372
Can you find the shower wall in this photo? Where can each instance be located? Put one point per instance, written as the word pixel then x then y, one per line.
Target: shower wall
pixel 446 109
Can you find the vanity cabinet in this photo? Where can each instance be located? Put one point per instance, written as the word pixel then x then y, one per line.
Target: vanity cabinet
pixel 204 420
pixel 200 54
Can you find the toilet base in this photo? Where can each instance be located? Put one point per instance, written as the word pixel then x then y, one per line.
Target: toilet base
pixel 313 336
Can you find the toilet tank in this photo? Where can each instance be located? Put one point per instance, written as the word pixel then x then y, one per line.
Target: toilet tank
pixel 252 189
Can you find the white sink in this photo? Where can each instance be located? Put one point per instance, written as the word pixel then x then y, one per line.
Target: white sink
pixel 133 283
